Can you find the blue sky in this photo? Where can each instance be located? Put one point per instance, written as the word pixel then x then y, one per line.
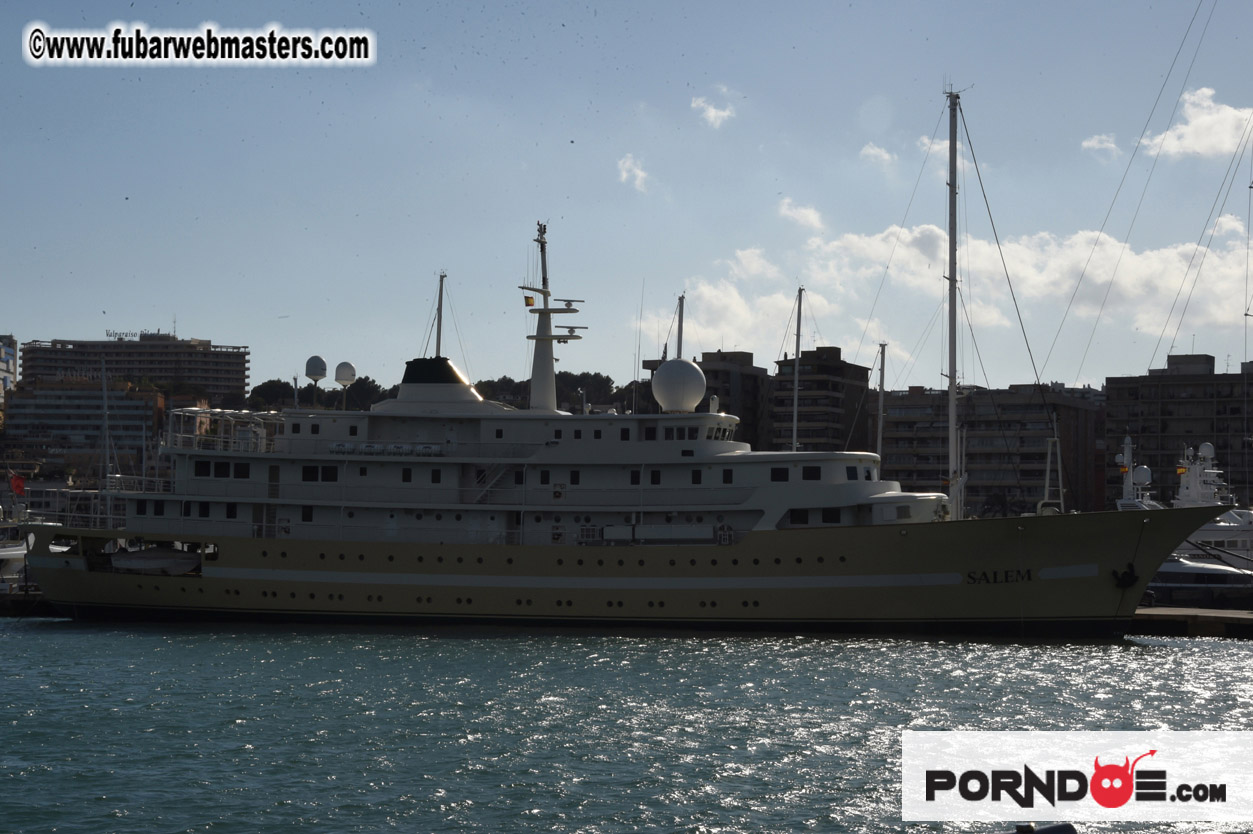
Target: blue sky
pixel 732 151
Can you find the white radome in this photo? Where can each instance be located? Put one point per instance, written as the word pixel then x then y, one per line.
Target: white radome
pixel 678 386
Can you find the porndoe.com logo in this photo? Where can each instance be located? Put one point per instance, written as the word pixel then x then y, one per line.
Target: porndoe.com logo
pixel 1003 776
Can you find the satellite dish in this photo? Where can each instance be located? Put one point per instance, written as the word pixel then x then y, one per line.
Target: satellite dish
pixel 315 369
pixel 345 374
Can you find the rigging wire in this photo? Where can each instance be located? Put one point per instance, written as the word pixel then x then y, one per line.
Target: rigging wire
pixel 1109 211
pixel 1213 229
pixel 900 230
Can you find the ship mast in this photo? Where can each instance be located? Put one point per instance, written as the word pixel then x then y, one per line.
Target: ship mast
pixel 796 373
pixel 439 314
pixel 955 477
pixel 543 365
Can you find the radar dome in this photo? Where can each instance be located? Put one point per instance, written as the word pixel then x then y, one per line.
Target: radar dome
pixel 345 374
pixel 1141 476
pixel 678 385
pixel 1206 450
pixel 315 368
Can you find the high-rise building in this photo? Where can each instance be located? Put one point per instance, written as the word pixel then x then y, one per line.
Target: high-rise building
pixel 8 366
pixel 1005 435
pixel 833 406
pixel 194 366
pixel 1183 405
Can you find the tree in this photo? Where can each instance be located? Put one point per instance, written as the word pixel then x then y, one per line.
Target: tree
pixel 271 394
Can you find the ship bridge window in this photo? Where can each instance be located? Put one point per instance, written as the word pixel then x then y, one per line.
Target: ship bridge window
pixel 141 506
pixel 693 432
pixel 158 508
pixel 830 515
pixel 811 473
pixel 650 432
pixel 308 473
pixel 222 469
pixel 295 428
pixel 201 469
pixel 669 432
pixel 868 478
pixel 243 471
pixel 850 472
pixel 778 473
pixel 798 516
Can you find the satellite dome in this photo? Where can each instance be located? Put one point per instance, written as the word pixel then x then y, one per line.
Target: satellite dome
pixel 1206 450
pixel 315 368
pixel 345 374
pixel 678 385
pixel 1141 476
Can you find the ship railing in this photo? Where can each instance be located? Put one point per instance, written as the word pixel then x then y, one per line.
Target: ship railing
pixel 559 495
pixel 89 509
pixel 135 483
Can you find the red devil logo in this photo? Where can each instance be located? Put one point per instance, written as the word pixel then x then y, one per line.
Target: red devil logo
pixel 1111 785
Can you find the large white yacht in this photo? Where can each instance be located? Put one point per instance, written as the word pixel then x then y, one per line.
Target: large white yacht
pixel 439 506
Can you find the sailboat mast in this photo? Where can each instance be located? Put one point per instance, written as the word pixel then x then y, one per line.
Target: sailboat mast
pixel 883 354
pixel 954 464
pixel 678 349
pixel 439 314
pixel 796 372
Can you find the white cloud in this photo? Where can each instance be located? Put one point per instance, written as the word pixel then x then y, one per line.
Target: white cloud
pixel 1207 128
pixel 806 216
pixel 629 168
pixel 872 153
pixel 1102 143
pixel 751 264
pixel 713 116
pixel 1229 224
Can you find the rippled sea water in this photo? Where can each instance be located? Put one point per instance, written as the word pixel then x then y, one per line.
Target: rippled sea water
pixel 243 729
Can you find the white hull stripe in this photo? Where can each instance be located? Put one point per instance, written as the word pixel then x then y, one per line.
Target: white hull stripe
pixel 585 583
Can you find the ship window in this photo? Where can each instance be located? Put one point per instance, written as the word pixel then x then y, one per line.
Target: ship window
pixel 693 432
pixel 500 433
pixel 595 434
pixel 306 513
pixel 243 471
pixel 186 509
pixel 361 472
pixel 204 509
pixel 295 428
pixel 574 477
pixel 669 432
pixel 902 512
pixel 308 473
pixel 798 516
pixel 650 432
pixel 141 506
pixel 406 475
pixel 811 473
pixel 623 434
pixel 352 431
pixel 578 434
pixel 436 475
pixel 232 510
pixel 222 469
pixel 315 429
pixel 519 477
pixel 655 477
pixel 635 477
pixel 556 434
pixel 158 508
pixel 868 478
pixel 202 469
pixel 330 473
pixel 778 473
pixel 728 475
pixel 688 453
pixel 850 472
pixel 543 476
pixel 696 476
pixel 830 515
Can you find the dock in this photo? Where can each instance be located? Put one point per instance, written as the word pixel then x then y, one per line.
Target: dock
pixel 1164 621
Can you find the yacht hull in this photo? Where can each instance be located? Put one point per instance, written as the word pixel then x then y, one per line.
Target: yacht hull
pixel 1065 574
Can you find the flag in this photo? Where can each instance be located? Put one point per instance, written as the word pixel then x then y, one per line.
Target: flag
pixel 529 299
pixel 17 483
pixel 1179 470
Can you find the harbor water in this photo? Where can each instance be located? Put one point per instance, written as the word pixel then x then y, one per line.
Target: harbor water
pixel 169 728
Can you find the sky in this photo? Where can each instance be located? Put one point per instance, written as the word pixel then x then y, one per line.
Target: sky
pixel 732 152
